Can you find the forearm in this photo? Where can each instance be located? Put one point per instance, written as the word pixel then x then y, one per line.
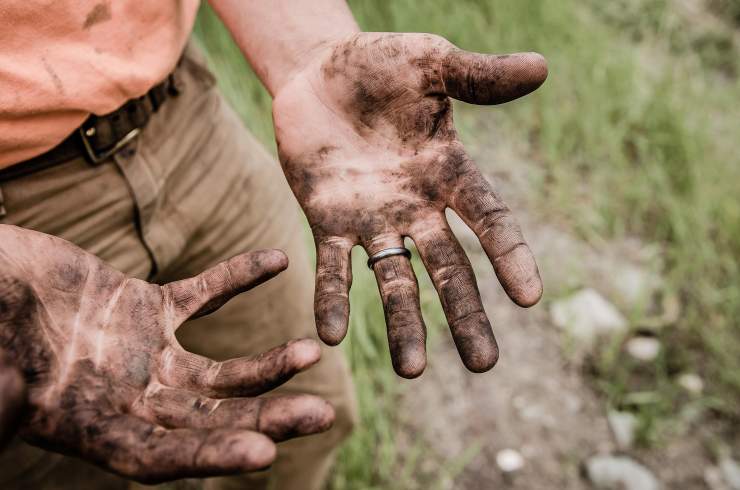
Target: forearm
pixel 277 37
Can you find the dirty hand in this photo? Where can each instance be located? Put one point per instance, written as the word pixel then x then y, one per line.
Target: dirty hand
pixel 366 139
pixel 12 397
pixel 107 380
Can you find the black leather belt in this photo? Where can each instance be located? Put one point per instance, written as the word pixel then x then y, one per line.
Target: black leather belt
pixel 100 137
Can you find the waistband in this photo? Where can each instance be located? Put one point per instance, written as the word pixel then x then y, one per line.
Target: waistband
pixel 100 137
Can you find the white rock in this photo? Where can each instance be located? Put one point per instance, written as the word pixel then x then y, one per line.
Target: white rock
pixel 730 472
pixel 623 425
pixel 586 315
pixel 692 383
pixel 644 349
pixel 618 472
pixel 509 460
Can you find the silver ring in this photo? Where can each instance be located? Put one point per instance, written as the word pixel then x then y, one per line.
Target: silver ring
pixel 387 253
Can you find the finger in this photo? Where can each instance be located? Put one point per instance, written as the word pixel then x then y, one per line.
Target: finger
pixel 399 292
pixel 486 214
pixel 238 377
pixel 279 418
pixel 454 280
pixel 333 280
pixel 491 79
pixel 209 290
pixel 139 450
pixel 12 398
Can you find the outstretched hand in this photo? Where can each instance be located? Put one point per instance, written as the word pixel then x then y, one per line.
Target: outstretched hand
pixel 12 398
pixel 108 381
pixel 366 139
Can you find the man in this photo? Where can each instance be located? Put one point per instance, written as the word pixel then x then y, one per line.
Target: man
pixel 170 183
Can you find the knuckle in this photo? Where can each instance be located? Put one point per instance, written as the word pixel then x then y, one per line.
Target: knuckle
pixel 460 318
pixel 506 248
pixel 494 216
pixel 332 268
pixel 202 286
pixel 226 278
pixel 408 335
pixel 501 227
pixel 461 274
pixel 398 286
pixel 332 279
pixel 167 362
pixel 212 373
pixel 326 295
pixel 458 288
pixel 336 268
pixel 152 393
pixel 402 300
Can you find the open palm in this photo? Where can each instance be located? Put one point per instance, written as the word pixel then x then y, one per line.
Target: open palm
pixel 108 381
pixel 367 142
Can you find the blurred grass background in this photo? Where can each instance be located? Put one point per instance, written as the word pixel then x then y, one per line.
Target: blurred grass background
pixel 636 130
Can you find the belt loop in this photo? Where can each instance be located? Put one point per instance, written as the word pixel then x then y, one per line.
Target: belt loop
pixel 3 212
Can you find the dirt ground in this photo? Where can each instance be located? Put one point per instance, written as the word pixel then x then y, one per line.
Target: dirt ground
pixel 536 399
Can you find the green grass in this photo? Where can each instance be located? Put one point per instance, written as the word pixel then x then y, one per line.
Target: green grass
pixel 635 130
pixel 729 9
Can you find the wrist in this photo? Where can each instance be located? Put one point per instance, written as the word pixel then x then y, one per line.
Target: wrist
pixel 304 56
pixel 281 37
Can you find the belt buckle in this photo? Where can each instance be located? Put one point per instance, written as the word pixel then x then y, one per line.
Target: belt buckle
pixel 96 158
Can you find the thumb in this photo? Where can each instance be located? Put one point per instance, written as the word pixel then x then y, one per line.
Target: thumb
pixel 211 289
pixel 12 398
pixel 491 79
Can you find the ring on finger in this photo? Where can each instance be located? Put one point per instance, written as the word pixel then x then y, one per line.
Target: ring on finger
pixel 388 252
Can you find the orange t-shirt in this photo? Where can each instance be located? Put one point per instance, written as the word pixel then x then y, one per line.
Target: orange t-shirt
pixel 61 60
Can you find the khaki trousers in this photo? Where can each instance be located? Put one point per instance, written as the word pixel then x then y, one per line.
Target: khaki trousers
pixel 193 189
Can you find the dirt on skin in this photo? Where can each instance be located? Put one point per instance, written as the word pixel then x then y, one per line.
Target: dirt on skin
pixel 536 400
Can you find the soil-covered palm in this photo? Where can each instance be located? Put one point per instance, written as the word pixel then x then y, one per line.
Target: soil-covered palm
pixel 108 381
pixel 367 142
pixel 12 398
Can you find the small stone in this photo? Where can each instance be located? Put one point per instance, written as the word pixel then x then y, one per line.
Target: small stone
pixel 644 349
pixel 619 472
pixel 586 315
pixel 623 425
pixel 692 383
pixel 509 460
pixel 730 472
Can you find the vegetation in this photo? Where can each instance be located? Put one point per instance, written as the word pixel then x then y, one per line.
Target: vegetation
pixel 636 131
